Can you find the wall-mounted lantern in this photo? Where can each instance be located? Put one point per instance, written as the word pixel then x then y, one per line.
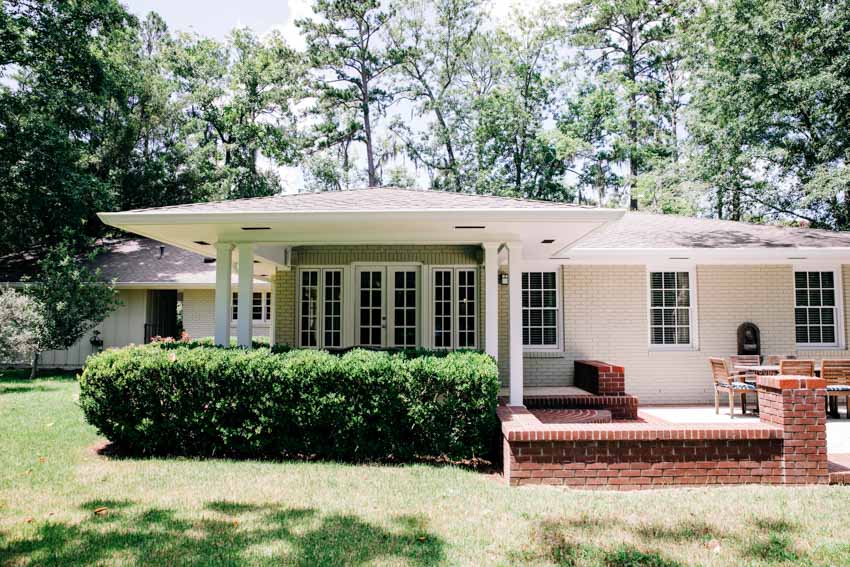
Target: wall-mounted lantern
pixel 96 342
pixel 503 279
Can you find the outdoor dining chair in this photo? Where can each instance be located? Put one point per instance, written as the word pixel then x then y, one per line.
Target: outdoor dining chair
pixel 743 360
pixel 793 367
pixel 775 359
pixel 732 384
pixel 837 376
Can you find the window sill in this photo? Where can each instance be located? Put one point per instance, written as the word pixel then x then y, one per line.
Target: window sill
pixel 683 348
pixel 543 354
pixel 814 348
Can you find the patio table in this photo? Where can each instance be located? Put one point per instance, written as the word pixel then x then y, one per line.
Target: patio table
pixel 764 369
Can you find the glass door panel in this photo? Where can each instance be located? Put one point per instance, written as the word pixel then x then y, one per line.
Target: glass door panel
pixel 404 324
pixel 371 317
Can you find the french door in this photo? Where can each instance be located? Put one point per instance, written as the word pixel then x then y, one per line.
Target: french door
pixel 388 306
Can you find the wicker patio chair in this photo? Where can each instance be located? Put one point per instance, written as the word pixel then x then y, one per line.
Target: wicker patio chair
pixel 732 384
pixel 837 376
pixel 794 367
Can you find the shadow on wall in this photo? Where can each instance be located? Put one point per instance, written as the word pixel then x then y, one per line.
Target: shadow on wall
pixel 226 536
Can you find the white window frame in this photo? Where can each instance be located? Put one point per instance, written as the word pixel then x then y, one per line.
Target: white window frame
pixel 429 311
pixel 267 306
pixel 559 312
pixel 320 305
pixel 693 315
pixel 838 281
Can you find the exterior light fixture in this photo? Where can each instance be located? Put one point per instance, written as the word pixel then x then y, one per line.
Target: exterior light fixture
pixel 503 279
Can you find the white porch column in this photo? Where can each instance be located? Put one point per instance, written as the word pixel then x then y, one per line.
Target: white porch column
pixel 491 298
pixel 244 319
pixel 515 318
pixel 223 271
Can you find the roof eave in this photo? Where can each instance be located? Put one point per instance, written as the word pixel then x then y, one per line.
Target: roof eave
pixel 126 219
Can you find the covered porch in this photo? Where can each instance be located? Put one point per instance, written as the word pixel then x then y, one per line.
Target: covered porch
pixel 378 268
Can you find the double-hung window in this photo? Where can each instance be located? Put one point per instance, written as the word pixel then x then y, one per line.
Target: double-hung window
pixel 261 306
pixel 454 293
pixel 540 308
pixel 816 309
pixel 671 309
pixel 320 307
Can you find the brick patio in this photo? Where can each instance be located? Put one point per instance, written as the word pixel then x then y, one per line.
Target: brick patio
pixel 786 446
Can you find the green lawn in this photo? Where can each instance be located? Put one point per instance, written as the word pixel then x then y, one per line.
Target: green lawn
pixel 175 511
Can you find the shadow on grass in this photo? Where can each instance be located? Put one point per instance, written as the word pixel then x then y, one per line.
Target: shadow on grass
pixel 569 542
pixel 158 536
pixel 19 382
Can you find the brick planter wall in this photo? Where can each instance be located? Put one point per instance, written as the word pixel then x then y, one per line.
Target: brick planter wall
pixel 788 446
pixel 600 378
pixel 796 404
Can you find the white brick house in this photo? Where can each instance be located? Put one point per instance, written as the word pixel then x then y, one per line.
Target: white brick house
pixel 536 284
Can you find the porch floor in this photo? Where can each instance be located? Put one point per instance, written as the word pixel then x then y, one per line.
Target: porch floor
pixel 837 429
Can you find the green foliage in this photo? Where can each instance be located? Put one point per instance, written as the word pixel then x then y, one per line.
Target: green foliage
pixel 55 109
pixel 359 406
pixel 771 107
pixel 71 299
pixel 344 45
pixel 21 325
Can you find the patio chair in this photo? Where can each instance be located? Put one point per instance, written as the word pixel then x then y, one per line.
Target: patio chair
pixel 775 359
pixel 837 376
pixel 733 384
pixel 794 367
pixel 744 360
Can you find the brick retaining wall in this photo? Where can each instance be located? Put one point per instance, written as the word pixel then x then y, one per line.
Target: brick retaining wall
pixel 788 446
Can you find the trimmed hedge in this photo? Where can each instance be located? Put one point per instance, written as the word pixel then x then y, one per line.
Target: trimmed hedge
pixel 363 405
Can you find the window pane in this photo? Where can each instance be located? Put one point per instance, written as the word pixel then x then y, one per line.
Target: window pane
pixel 257 306
pixel 817 323
pixel 309 305
pixel 669 303
pixel 443 308
pixel 333 308
pixel 540 312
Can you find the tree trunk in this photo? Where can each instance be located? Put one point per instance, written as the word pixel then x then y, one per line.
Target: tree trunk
pixel 34 368
pixel 450 152
pixel 367 130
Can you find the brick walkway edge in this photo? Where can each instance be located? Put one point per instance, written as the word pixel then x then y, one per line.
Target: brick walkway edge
pixel 787 446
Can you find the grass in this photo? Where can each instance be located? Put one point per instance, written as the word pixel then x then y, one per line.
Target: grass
pixel 63 504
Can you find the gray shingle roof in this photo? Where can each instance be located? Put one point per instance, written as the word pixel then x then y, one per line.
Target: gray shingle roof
pixel 369 199
pixel 139 260
pixel 128 260
pixel 646 230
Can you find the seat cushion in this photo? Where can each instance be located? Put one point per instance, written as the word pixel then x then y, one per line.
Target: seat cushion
pixel 838 388
pixel 738 386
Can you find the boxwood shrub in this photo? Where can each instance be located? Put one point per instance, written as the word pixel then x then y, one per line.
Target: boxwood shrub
pixel 361 405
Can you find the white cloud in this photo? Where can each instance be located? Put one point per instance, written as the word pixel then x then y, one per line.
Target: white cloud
pixel 295 10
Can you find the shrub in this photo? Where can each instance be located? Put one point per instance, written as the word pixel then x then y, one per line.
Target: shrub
pixel 361 405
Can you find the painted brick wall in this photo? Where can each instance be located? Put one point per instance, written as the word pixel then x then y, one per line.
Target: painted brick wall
pixel 605 317
pixel 199 315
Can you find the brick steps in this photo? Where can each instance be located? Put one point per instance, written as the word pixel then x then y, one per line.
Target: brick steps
pixel 572 415
pixel 621 407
